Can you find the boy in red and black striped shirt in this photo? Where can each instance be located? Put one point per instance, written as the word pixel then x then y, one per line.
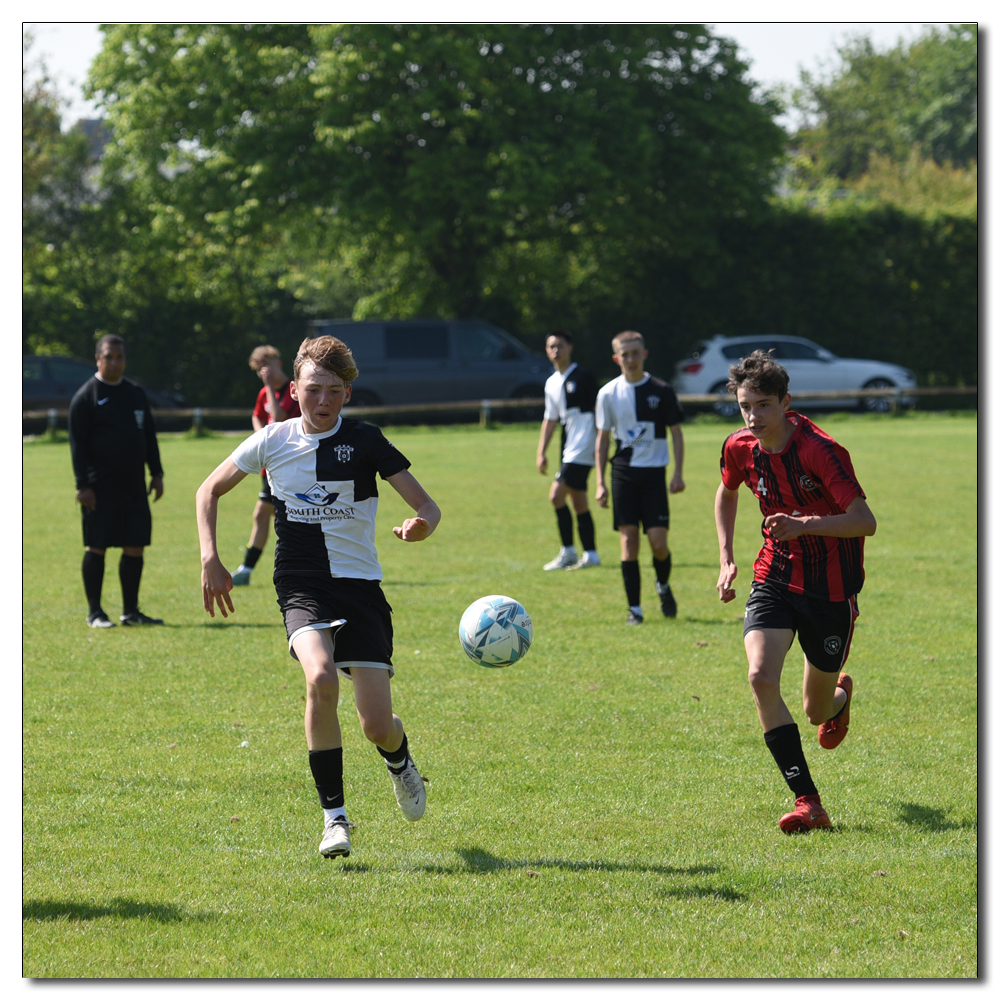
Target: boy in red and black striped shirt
pixel 807 575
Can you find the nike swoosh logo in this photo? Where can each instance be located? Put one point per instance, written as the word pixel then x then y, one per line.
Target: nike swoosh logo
pixel 101 402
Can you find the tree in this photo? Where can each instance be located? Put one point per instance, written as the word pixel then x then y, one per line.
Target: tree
pixel 430 161
pixel 921 95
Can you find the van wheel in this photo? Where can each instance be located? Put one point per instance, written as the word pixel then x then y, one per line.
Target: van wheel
pixel 727 405
pixel 364 397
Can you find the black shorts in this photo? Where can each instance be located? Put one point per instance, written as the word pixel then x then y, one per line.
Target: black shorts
pixel 355 610
pixel 265 490
pixel 573 476
pixel 639 496
pixel 825 628
pixel 119 521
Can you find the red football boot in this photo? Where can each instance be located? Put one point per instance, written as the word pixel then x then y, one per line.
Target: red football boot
pixel 832 732
pixel 808 814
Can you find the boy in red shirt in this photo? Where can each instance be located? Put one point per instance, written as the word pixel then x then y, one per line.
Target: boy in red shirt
pixel 274 404
pixel 807 575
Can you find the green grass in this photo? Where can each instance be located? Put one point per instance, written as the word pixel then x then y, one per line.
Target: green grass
pixel 606 808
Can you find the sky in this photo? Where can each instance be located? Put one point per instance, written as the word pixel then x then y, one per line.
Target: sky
pixel 775 50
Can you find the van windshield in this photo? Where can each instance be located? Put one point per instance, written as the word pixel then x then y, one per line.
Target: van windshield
pixel 416 341
pixel 479 343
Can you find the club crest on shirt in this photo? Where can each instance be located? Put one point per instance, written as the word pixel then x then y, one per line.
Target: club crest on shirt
pixel 806 483
pixel 317 495
pixel 652 402
pixel 140 416
pixel 343 452
pixel 570 388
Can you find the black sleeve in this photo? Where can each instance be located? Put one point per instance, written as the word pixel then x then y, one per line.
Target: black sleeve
pixel 152 446
pixel 586 391
pixel 80 410
pixel 388 460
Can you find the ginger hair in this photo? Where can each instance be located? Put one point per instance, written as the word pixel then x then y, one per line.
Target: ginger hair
pixel 329 353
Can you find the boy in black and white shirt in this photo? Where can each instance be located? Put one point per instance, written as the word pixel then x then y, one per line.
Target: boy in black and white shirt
pixel 638 409
pixel 322 470
pixel 570 395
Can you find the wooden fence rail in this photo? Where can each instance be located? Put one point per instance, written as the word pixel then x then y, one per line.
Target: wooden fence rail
pixel 487 407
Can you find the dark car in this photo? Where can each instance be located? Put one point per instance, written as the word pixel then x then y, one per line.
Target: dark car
pixel 48 382
pixel 404 362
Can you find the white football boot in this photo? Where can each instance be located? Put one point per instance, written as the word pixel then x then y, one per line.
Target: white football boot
pixel 410 792
pixel 565 559
pixel 589 558
pixel 336 842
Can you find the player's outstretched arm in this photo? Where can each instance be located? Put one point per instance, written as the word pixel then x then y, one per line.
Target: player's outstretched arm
pixel 215 579
pixel 414 529
pixel 856 521
pixel 726 502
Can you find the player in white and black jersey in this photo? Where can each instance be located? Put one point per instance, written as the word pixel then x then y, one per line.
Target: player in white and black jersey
pixel 639 409
pixel 570 395
pixel 322 470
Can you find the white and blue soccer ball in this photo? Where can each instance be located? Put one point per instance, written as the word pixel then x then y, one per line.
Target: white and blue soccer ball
pixel 495 631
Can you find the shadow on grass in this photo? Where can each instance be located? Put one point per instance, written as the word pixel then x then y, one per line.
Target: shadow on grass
pixel 223 625
pixel 705 892
pixel 931 819
pixel 475 859
pixel 65 909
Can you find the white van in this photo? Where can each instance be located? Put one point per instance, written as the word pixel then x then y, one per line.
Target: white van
pixel 436 361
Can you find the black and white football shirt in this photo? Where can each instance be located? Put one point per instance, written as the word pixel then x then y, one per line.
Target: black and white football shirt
pixel 325 494
pixel 570 398
pixel 638 415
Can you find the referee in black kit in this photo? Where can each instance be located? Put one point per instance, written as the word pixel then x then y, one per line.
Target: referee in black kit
pixel 112 438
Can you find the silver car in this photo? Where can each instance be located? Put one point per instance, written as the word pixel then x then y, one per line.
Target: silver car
pixel 810 367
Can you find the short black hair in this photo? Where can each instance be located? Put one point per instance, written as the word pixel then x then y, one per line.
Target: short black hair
pixel 108 338
pixel 564 334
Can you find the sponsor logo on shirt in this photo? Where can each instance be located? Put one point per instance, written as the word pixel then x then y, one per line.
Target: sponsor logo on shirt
pixel 318 496
pixel 140 416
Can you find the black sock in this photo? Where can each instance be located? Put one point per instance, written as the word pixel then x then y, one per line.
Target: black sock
pixel 396 759
pixel 130 573
pixel 565 521
pixel 327 768
pixel 253 554
pixel 585 525
pixel 662 568
pixel 633 586
pixel 93 579
pixel 785 745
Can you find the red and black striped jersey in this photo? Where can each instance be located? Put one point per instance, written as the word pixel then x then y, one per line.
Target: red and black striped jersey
pixel 812 474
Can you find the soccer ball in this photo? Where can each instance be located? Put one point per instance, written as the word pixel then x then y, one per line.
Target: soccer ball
pixel 495 631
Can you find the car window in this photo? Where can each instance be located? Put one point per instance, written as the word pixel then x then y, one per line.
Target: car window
pixel 796 352
pixel 736 351
pixel 479 343
pixel 32 372
pixel 69 373
pixel 416 341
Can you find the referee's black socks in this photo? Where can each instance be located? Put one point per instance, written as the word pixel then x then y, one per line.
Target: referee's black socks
pixel 785 745
pixel 93 579
pixel 633 584
pixel 130 575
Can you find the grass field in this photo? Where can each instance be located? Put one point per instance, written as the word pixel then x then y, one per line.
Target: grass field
pixel 607 808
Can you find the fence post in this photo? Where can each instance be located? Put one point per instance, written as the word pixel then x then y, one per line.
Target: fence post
pixel 53 424
pixel 199 419
pixel 485 413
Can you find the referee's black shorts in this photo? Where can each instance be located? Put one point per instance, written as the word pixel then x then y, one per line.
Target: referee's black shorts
pixel 119 520
pixel 825 628
pixel 639 496
pixel 356 612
